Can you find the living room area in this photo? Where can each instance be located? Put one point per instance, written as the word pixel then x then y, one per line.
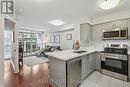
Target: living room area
pixel 33 61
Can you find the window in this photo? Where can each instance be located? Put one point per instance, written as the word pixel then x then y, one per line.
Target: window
pixel 31 42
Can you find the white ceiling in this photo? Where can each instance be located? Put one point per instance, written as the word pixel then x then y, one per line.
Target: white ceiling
pixel 36 15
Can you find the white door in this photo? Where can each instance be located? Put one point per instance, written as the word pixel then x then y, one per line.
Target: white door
pixel 12 50
pixel 1 51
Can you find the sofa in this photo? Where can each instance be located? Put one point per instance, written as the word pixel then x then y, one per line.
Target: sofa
pixel 42 52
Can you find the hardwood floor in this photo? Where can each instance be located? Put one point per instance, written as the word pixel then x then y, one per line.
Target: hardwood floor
pixel 35 76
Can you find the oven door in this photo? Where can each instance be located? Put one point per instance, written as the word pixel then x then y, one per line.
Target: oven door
pixel 115 65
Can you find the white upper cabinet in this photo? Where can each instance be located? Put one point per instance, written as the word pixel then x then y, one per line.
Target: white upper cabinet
pixel 98 28
pixel 85 32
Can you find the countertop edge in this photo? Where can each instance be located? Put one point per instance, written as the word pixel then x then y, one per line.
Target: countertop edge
pixel 87 53
pixel 74 57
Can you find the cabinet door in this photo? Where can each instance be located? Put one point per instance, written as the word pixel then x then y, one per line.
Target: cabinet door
pixel 91 62
pixel 97 61
pixel 84 63
pixel 85 67
pixel 85 32
pixel 98 29
pixel 88 65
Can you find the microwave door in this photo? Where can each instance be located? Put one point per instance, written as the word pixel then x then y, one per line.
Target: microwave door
pixel 118 33
pixel 111 35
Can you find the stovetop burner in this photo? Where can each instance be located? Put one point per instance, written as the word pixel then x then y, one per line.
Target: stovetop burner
pixel 121 51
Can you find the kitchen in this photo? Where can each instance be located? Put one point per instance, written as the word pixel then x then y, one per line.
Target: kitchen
pixel 107 53
pixel 86 44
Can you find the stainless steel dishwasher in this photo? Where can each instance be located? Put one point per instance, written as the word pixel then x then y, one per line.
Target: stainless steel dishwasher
pixel 74 72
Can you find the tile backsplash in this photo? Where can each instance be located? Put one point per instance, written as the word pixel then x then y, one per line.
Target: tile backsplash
pixel 101 44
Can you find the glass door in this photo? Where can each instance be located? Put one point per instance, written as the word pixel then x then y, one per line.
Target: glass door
pixel 27 44
pixel 31 42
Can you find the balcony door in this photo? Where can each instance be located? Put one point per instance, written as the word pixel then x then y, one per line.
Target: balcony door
pixel 31 42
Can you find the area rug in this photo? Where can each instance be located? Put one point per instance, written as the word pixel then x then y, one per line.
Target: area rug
pixel 33 60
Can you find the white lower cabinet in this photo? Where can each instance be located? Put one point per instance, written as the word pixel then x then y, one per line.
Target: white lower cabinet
pixel 88 65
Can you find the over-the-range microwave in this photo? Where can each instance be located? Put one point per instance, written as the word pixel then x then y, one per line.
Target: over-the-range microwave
pixel 115 34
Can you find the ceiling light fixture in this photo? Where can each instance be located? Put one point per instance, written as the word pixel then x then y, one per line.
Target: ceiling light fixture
pixel 56 22
pixel 108 4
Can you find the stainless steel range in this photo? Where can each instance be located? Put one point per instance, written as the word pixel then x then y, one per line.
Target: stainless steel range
pixel 114 61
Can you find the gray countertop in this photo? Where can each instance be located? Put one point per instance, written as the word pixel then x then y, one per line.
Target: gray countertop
pixel 68 54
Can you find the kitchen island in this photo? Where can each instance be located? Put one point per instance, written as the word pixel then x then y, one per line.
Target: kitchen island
pixel 68 69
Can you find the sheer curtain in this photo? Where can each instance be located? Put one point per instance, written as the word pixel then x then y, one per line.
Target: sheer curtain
pixel 7 43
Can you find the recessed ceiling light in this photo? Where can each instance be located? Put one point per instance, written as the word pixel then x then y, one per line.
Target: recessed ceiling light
pixel 108 4
pixel 56 22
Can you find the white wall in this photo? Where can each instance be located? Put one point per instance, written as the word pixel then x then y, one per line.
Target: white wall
pixel 66 44
pixel 77 31
pixel 47 36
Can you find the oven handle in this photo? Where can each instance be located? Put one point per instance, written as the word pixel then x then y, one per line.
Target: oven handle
pixel 112 57
pixel 103 58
